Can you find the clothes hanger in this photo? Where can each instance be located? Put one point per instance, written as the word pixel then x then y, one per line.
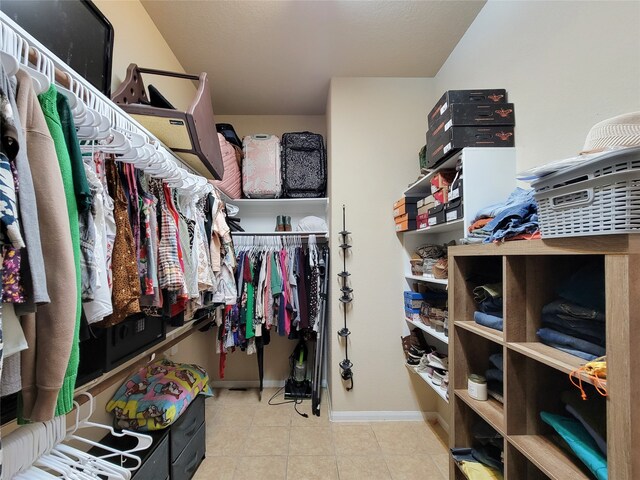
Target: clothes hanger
pixel 79 111
pixel 93 465
pixel 108 469
pixel 144 441
pixel 8 56
pixel 40 81
pixel 41 67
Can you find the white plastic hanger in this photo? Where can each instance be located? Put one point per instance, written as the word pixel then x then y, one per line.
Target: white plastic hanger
pixel 37 73
pixel 8 57
pixel 144 441
pixel 79 109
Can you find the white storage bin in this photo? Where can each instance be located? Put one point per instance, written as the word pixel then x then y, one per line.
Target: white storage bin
pixel 598 197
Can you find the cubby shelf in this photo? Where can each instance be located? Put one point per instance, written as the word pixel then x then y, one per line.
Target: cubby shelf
pixel 548 457
pixel 441 392
pixel 422 278
pixel 429 331
pixel 536 376
pixel 486 332
pixel 551 357
pixel 490 410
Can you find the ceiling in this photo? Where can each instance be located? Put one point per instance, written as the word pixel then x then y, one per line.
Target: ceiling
pixel 277 57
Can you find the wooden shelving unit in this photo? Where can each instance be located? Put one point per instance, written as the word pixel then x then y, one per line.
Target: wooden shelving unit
pixel 534 374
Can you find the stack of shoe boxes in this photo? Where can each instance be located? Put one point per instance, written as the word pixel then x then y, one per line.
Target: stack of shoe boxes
pixel 440 183
pixel 404 214
pixel 412 304
pixel 469 118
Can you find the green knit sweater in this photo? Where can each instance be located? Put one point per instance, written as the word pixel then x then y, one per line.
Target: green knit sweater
pixel 49 108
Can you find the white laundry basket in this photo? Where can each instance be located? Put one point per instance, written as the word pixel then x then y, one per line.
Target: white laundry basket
pixel 598 197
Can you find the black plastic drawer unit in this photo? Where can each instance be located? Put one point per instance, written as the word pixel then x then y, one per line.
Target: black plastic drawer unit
pixel 186 426
pixel 189 460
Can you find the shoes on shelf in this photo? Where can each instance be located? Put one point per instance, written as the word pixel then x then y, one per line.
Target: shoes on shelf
pixel 445 381
pixel 438 360
pixel 437 378
pixel 415 354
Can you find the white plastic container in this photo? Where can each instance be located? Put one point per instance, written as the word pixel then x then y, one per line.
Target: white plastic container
pixel 477 387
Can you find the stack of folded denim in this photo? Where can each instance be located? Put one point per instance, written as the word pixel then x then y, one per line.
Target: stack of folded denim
pixel 574 329
pixel 515 218
pixel 495 377
pixel 488 298
pixel 485 459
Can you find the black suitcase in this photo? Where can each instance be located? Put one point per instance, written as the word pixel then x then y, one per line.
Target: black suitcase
pixel 304 165
pixel 229 133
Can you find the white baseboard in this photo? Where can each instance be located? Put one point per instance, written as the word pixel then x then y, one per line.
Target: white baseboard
pixel 246 384
pixel 251 384
pixel 388 416
pixel 377 416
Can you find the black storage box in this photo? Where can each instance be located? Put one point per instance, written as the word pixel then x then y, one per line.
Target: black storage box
pixel 437 215
pixel 455 190
pixel 453 210
pixel 456 138
pixel 472 114
pixel 155 460
pixel 492 96
pixel 111 347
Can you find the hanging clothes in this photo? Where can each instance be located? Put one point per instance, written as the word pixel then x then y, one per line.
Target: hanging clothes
pixel 100 306
pixel 126 284
pixel 48 102
pixel 49 331
pixel 32 267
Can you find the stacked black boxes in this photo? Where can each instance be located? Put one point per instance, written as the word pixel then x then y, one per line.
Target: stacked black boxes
pixel 469 118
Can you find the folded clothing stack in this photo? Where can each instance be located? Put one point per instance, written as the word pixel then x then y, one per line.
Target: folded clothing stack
pixel 583 434
pixel 575 323
pixel 488 298
pixel 514 219
pixel 486 459
pixel 495 377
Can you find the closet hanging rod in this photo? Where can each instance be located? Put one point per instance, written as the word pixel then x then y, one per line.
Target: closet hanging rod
pixel 281 234
pixel 61 72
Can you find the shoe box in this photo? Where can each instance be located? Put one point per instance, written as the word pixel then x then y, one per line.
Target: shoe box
pixel 469 118
pixel 413 300
pixel 437 215
pixel 457 138
pixel 405 211
pixel 475 97
pixel 472 114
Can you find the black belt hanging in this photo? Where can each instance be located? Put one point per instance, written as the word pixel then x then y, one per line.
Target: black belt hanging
pixel 345 299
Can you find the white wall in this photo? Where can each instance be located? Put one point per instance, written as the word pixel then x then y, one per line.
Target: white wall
pixel 275 124
pixel 138 40
pixel 565 64
pixel 376 128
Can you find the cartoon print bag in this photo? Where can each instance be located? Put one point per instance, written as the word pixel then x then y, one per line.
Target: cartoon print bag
pixel 155 396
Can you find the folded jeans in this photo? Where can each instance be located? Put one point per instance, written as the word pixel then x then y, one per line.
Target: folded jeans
pixel 587 330
pixel 487 320
pixel 564 308
pixel 559 338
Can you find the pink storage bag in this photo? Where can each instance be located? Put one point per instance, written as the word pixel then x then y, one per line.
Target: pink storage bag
pixel 231 182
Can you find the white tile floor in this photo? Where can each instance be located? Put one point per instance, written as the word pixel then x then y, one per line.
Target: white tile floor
pixel 248 439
